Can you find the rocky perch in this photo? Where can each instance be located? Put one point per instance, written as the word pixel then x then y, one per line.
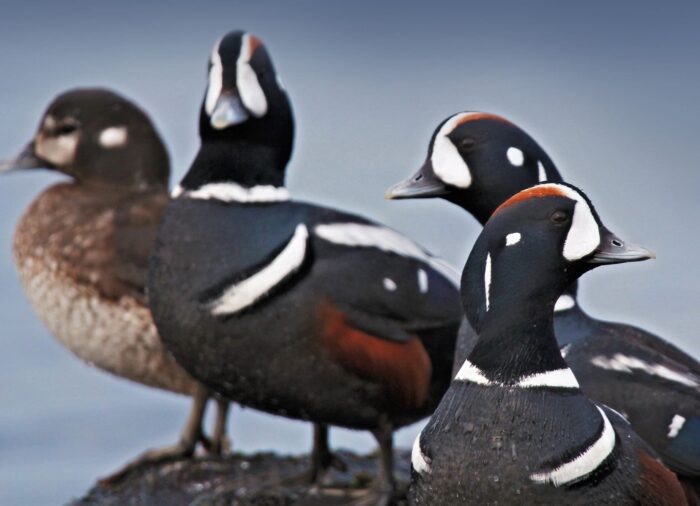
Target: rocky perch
pixel 262 479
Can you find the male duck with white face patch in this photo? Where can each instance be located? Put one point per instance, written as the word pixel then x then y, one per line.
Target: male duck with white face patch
pixel 289 307
pixel 514 428
pixel 82 247
pixel 653 383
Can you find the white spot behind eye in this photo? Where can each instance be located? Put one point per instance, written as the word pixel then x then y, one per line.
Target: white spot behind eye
pixel 447 163
pixel 113 137
pixel 216 80
pixel 513 238
pixel 389 284
pixel 541 173
pixel 487 280
pixel 515 156
pixel 249 88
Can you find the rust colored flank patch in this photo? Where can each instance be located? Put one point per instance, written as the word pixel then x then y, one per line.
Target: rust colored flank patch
pixel 404 369
pixel 661 485
pixel 531 193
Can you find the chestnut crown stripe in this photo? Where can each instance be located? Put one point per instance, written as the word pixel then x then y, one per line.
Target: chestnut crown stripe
pixel 476 116
pixel 531 193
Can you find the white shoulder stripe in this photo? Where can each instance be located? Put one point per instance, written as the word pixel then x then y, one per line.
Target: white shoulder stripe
pixel 250 290
pixel 585 463
pixel 557 378
pixel 419 461
pixel 232 192
pixel 383 238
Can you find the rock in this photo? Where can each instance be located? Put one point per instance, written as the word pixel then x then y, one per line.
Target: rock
pixel 262 479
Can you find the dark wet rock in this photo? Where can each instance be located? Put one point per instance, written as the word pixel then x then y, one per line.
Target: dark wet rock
pixel 262 479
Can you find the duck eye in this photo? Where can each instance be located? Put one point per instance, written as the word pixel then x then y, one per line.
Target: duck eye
pixel 559 217
pixel 65 129
pixel 467 143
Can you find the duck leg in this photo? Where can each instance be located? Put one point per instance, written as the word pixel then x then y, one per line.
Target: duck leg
pixel 185 447
pixel 220 443
pixel 383 490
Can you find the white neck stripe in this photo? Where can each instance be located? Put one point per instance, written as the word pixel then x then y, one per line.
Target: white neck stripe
pixel 557 378
pixel 232 192
pixel 583 465
pixel 249 290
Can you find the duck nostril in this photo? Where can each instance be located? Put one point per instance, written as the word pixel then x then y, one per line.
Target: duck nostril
pixel 617 242
pixel 418 177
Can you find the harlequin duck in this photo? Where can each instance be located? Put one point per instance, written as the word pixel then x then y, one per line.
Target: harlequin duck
pixel 82 247
pixel 285 306
pixel 514 427
pixel 478 160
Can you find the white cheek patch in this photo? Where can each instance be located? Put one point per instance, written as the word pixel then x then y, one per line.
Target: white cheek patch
pixel 515 156
pixel 249 88
pixel 584 234
pixel 487 281
pixel 447 163
pixel 216 80
pixel 57 150
pixel 513 238
pixel 113 137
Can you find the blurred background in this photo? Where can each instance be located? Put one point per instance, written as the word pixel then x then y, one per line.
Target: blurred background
pixel 610 90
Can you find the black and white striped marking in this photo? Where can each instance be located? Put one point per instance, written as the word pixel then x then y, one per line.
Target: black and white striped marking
pixel 232 192
pixel 584 464
pixel 628 364
pixel 248 291
pixel 557 378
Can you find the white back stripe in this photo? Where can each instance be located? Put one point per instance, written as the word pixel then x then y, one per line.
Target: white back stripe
pixel 419 461
pixel 625 363
pixel 585 463
pixel 676 425
pixel 250 290
pixel 382 238
pixel 232 192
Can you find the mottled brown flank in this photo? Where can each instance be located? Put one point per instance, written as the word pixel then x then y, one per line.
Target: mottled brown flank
pixel 404 369
pixel 531 193
pixel 82 254
pixel 253 44
pixel 476 116
pixel 660 485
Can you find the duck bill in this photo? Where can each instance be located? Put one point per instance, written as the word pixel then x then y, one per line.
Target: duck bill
pixel 228 111
pixel 613 250
pixel 423 184
pixel 26 159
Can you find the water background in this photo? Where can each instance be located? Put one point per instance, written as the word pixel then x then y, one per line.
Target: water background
pixel 609 89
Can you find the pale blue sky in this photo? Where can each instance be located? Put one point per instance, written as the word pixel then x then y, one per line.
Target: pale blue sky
pixel 609 89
